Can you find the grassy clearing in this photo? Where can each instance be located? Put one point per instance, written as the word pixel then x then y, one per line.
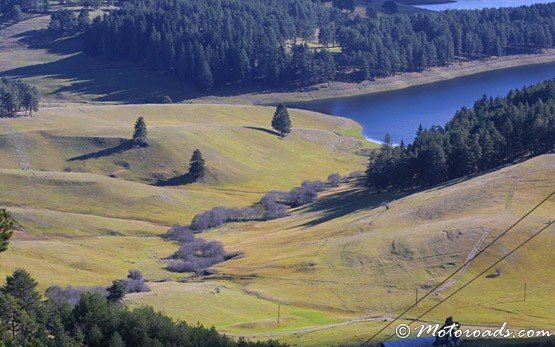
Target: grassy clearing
pixel 88 260
pixel 225 305
pixel 348 254
pixel 88 211
pixel 87 139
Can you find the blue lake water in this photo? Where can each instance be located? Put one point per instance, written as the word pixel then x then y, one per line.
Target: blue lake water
pixel 399 112
pixel 479 4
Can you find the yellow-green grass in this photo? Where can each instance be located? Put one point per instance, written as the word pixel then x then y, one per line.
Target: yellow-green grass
pixel 348 255
pixel 87 261
pixel 226 306
pixel 239 148
pixel 106 210
pixel 61 72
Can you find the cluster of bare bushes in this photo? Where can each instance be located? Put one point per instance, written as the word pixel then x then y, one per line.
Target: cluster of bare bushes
pixel 272 205
pixel 134 283
pixel 220 215
pixel 195 254
pixel 198 255
pixel 70 294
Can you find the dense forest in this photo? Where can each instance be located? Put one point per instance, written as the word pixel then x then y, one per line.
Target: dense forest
pixel 93 320
pixel 265 42
pixel 16 95
pixel 210 42
pixel 494 132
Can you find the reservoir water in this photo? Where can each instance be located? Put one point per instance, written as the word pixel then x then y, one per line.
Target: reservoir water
pixel 479 4
pixel 399 112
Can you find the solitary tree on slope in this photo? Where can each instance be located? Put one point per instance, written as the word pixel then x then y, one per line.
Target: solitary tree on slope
pixel 281 121
pixel 140 133
pixel 197 167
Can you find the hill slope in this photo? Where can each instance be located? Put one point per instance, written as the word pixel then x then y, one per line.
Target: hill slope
pixel 349 257
pixel 90 208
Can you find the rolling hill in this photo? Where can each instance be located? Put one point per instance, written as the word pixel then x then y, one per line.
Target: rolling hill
pixel 89 208
pixel 347 258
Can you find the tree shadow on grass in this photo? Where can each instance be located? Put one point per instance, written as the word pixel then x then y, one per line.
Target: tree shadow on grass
pixel 176 181
pixel 124 146
pixel 347 202
pixel 269 131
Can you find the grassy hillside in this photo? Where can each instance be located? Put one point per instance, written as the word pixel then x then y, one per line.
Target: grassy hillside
pixel 89 208
pixel 348 256
pixel 61 72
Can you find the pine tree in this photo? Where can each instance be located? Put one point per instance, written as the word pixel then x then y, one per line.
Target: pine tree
pixel 10 315
pixel 281 121
pixel 140 133
pixel 6 229
pixel 17 14
pixel 197 167
pixel 23 288
pixel 116 291
pixel 116 341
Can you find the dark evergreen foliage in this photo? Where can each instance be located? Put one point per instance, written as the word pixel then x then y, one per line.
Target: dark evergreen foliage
pixel 63 22
pixel 140 132
pixel 16 95
pixel 281 121
pixel 494 132
pixel 209 43
pixel 387 45
pixel 197 166
pixel 7 225
pixel 214 43
pixel 116 291
pixel 32 6
pixel 93 321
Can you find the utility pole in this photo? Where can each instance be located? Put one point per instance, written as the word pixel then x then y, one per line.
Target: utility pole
pixel 524 291
pixel 416 296
pixel 279 309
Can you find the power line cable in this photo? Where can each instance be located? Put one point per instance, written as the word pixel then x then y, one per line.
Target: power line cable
pixel 460 267
pixel 479 275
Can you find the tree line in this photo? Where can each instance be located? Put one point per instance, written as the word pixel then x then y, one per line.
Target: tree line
pixel 494 132
pixel 16 95
pixel 387 45
pixel 95 321
pixel 211 43
pixel 257 42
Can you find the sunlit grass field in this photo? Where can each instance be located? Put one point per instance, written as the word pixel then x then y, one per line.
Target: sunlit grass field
pixel 87 213
pixel 89 209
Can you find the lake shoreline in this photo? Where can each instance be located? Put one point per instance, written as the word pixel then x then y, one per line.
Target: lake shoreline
pixel 401 81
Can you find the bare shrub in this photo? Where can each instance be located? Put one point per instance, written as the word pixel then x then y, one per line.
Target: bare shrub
pixel 334 180
pixel 220 215
pixel 135 283
pixel 180 234
pixel 305 194
pixel 70 294
pixel 298 196
pixel 273 208
pixel 317 186
pixel 197 255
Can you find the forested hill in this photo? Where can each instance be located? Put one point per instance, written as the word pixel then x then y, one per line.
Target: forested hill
pixel 494 132
pixel 206 42
pixel 212 43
